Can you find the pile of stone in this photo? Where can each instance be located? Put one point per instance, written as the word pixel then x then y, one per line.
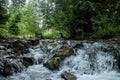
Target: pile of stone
pixel 12 57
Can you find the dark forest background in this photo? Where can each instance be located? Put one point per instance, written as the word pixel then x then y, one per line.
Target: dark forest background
pixel 69 19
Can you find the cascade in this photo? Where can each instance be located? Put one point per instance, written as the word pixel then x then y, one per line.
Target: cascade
pixel 9 3
pixel 18 2
pixel 89 62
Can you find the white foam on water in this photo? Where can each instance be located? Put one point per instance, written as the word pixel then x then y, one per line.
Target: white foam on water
pixel 88 63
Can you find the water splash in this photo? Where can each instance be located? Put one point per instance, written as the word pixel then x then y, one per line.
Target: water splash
pixel 88 63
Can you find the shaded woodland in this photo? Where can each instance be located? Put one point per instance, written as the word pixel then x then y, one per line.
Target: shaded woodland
pixel 69 19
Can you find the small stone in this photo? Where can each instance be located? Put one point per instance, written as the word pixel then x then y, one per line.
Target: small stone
pixel 68 76
pixel 27 61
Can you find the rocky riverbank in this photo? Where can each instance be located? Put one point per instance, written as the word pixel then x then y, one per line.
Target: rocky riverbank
pixel 15 54
pixel 12 55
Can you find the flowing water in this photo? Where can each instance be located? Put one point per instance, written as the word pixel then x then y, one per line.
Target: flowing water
pixel 88 63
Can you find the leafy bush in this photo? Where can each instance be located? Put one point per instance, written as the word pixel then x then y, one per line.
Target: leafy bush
pixel 22 23
pixel 106 27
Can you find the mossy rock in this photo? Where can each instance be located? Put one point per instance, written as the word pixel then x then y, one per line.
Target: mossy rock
pixel 53 63
pixel 64 51
pixel 61 54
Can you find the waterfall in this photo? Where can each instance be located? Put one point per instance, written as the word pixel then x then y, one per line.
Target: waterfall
pixel 18 2
pixel 89 62
pixel 9 3
pixel 27 1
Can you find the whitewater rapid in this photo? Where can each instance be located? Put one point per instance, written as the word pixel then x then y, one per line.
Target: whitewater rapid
pixel 88 63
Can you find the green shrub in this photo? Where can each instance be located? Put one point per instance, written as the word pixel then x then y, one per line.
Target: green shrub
pixel 22 23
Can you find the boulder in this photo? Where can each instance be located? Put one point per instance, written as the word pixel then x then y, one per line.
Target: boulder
pixel 64 52
pixel 53 45
pixel 12 59
pixel 10 66
pixel 114 50
pixel 118 62
pixel 78 46
pixel 68 76
pixel 109 48
pixel 33 42
pixel 117 57
pixel 17 47
pixel 40 60
pixel 54 62
pixel 27 61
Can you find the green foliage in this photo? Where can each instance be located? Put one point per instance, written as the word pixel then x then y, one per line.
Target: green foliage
pixel 13 28
pixel 76 19
pixel 22 23
pixel 3 17
pixel 3 11
pixel 86 18
pixel 51 34
pixel 106 24
pixel 110 31
pixel 72 15
pixel 18 3
pixel 106 28
pixel 61 17
pixel 28 23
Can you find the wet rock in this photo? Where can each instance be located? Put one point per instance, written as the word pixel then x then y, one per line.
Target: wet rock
pixel 33 42
pixel 2 50
pixel 16 43
pixel 78 46
pixel 40 60
pixel 118 63
pixel 19 47
pixel 114 50
pixel 27 61
pixel 64 52
pixel 53 45
pixel 68 76
pixel 11 57
pixel 11 51
pixel 109 48
pixel 54 62
pixel 10 66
